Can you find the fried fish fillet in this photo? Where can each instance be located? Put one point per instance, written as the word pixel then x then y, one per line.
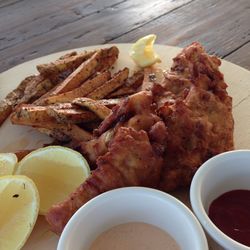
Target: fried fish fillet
pixel 197 112
pixel 192 101
pixel 121 166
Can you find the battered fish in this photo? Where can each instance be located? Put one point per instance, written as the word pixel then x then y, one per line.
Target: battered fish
pixel 121 166
pixel 197 112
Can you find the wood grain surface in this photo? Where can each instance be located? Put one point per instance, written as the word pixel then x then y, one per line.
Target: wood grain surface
pixel 33 28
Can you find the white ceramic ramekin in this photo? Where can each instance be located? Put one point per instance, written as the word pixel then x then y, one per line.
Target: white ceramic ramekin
pixel 128 205
pixel 222 173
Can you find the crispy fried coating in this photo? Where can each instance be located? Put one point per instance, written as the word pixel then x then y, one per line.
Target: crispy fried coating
pixel 138 104
pixel 135 112
pixel 121 166
pixel 197 112
pixel 194 106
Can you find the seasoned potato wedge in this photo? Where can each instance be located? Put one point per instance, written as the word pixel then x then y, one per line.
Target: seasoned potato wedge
pixel 130 86
pixel 66 113
pixel 73 131
pixel 77 77
pixel 110 103
pixel 75 115
pixel 100 110
pixel 67 96
pixel 27 114
pixel 67 62
pixel 81 91
pixel 108 58
pixel 124 91
pixel 28 90
pixel 5 110
pixel 55 133
pixel 114 83
pixel 101 60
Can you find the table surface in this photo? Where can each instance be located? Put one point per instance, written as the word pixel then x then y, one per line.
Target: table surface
pixel 33 28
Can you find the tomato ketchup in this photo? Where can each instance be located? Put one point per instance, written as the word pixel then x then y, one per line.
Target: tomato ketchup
pixel 230 212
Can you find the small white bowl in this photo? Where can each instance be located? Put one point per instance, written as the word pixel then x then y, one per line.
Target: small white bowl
pixel 222 173
pixel 129 205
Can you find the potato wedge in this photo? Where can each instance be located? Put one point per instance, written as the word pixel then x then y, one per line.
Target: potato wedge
pixel 108 58
pixel 135 80
pixel 27 114
pixel 124 91
pixel 75 115
pixel 72 60
pixel 35 88
pixel 15 95
pixel 59 70
pixel 66 105
pixel 114 83
pixel 83 72
pixel 29 89
pixel 100 110
pixel 68 55
pixel 56 134
pixel 75 79
pixel 69 61
pixel 81 91
pixel 73 131
pixel 101 60
pixel 63 113
pixel 39 118
pixel 109 102
pixel 5 110
pixel 19 95
pixel 130 86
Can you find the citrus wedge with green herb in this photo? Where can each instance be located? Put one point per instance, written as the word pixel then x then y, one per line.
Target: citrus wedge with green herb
pixel 57 171
pixel 19 208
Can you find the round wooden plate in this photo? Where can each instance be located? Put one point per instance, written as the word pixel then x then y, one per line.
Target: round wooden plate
pixel 13 138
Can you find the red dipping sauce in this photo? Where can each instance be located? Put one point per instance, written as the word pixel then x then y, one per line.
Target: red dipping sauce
pixel 230 212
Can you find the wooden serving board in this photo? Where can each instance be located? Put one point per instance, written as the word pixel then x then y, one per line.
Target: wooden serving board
pixel 13 138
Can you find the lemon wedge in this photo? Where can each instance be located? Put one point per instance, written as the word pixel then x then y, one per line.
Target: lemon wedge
pixel 8 162
pixel 19 208
pixel 142 51
pixel 57 171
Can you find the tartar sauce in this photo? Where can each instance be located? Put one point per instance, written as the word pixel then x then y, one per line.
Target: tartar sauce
pixel 135 236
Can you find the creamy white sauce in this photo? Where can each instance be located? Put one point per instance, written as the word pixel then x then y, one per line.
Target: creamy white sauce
pixel 134 236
